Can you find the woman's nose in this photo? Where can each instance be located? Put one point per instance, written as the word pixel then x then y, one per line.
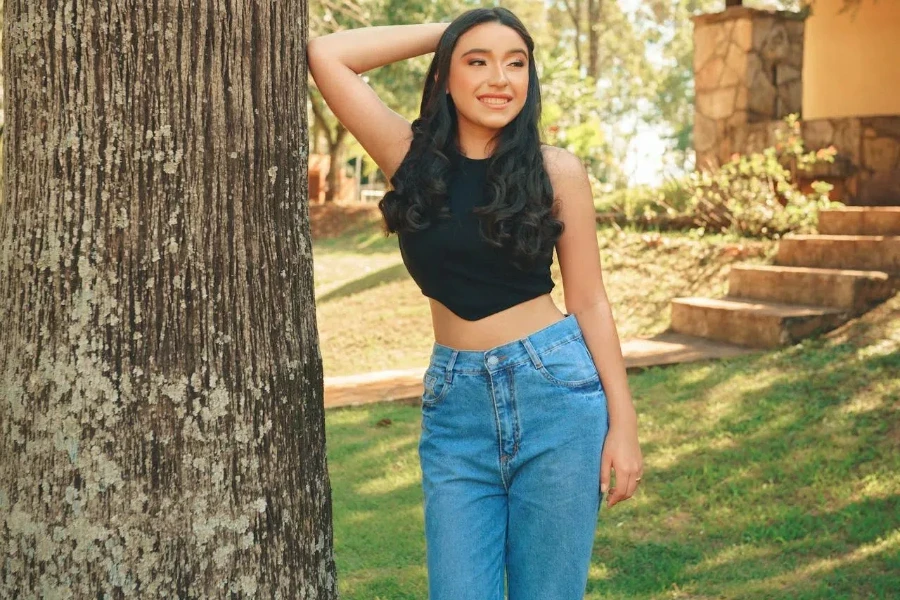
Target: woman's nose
pixel 498 76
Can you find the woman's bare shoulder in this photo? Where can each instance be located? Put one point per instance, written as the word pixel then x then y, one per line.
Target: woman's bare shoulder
pixel 560 164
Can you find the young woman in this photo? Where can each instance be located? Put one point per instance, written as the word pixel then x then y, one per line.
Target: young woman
pixel 526 409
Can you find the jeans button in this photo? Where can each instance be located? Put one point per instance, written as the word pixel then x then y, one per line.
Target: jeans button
pixel 492 361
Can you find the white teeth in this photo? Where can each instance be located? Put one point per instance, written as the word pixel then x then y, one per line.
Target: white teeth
pixel 494 101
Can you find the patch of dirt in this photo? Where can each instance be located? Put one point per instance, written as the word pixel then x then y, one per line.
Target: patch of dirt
pixel 331 219
pixel 878 325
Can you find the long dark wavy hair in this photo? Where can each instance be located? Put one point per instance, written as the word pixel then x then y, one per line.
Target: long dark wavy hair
pixel 519 216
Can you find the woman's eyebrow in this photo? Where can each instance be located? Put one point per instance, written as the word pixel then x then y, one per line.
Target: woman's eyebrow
pixel 486 51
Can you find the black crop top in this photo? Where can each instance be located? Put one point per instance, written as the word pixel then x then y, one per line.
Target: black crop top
pixel 452 264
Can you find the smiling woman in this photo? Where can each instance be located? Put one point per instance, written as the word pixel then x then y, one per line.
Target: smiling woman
pixel 497 80
pixel 519 437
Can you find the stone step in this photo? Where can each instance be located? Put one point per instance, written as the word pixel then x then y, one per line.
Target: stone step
pixel 860 252
pixel 855 291
pixel 755 324
pixel 860 220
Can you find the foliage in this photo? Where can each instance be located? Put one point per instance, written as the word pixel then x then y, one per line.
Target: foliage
pixel 670 37
pixel 751 195
pixel 646 202
pixel 581 113
pixel 571 118
pixel 399 84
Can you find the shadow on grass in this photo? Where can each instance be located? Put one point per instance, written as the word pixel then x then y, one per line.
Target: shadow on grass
pixel 790 508
pixel 372 280
pixel 830 559
pixel 377 501
pixel 781 483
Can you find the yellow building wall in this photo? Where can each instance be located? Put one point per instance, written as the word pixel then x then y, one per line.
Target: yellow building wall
pixel 851 61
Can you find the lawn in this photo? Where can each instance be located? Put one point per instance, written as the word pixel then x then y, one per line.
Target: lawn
pixel 372 317
pixel 769 476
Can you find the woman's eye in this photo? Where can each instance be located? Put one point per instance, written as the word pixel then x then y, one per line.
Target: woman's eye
pixel 478 61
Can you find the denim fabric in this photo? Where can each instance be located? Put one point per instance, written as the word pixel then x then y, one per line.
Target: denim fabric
pixel 510 456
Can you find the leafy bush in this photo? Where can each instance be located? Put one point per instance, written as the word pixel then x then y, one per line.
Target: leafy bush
pixel 646 202
pixel 751 195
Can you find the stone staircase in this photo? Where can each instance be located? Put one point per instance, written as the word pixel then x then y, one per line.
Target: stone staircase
pixel 817 283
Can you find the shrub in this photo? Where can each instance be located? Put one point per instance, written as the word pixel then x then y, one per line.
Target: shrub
pixel 751 195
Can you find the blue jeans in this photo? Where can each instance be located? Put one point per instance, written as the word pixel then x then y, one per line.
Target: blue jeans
pixel 510 456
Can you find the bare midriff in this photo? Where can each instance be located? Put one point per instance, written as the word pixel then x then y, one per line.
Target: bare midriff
pixel 508 325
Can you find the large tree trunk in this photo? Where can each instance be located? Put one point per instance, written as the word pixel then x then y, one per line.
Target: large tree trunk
pixel 161 414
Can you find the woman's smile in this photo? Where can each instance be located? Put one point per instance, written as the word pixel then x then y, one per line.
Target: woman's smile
pixel 495 102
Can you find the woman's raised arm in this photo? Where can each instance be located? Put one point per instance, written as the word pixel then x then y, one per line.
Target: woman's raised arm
pixel 336 60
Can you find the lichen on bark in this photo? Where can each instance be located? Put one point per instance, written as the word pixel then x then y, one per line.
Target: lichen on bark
pixel 161 417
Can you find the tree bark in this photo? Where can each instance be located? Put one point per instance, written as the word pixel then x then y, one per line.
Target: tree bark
pixel 161 412
pixel 594 11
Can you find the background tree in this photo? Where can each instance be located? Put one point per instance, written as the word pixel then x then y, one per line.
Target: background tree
pixel 607 48
pixel 399 84
pixel 161 410
pixel 585 17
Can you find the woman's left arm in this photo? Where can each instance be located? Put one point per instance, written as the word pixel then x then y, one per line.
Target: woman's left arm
pixel 585 297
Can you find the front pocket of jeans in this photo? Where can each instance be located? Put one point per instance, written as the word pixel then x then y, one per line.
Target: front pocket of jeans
pixel 436 386
pixel 569 364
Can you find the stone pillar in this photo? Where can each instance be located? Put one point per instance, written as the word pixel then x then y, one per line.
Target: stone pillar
pixel 747 66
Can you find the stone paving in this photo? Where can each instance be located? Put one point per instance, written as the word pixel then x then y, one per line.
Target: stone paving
pixel 406 384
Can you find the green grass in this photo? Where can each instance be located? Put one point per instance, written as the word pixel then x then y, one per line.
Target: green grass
pixel 769 476
pixel 372 317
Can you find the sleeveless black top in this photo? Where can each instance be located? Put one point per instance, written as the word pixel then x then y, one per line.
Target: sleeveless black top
pixel 451 263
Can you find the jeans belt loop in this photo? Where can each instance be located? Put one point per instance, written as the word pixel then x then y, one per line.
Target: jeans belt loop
pixel 532 353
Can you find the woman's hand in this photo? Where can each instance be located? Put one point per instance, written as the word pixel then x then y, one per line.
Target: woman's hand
pixel 621 452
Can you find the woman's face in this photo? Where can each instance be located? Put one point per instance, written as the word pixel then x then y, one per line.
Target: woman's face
pixel 488 77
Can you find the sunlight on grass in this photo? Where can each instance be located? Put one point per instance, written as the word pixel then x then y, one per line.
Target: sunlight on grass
pixel 884 348
pixel 729 555
pixel 780 494
pixel 384 485
pixel 598 573
pixel 347 417
pixel 360 517
pixel 877 485
pixel 804 574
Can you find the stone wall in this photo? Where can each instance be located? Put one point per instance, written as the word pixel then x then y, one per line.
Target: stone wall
pixel 866 170
pixel 869 153
pixel 747 65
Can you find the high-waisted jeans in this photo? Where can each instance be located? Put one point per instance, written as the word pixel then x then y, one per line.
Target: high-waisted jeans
pixel 510 456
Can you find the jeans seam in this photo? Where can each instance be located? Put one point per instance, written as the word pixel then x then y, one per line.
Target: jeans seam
pixel 498 429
